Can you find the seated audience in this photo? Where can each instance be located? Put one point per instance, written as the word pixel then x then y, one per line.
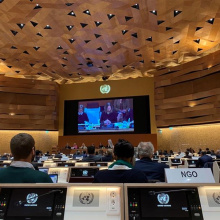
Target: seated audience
pixel 217 154
pixel 203 159
pixel 208 151
pixel 58 155
pixel 21 170
pixel 108 156
pixel 121 171
pixel 152 169
pixel 47 154
pixel 91 155
pixel 187 155
pixel 38 154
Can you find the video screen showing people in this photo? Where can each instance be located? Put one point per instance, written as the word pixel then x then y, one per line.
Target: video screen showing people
pixel 115 115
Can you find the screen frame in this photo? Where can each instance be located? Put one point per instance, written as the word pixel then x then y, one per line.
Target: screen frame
pixel 70 127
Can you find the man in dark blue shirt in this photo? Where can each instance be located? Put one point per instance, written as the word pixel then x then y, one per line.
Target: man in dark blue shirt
pixel 152 169
pixel 203 159
pixel 121 171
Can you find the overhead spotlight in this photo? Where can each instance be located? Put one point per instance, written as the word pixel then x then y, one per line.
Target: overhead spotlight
pixel 110 16
pixel 211 21
pixel 37 6
pixel 124 32
pixel 21 25
pixel 197 41
pixel 89 64
pixel 176 12
pixel 149 39
pixel 97 23
pixel 105 78
pixel 71 40
pixel 87 12
pixel 153 12
pixel 135 6
pixel 127 18
pixel 69 27
pixel 47 27
pixel 71 14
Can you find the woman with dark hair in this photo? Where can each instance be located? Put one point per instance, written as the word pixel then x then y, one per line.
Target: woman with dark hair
pixel 108 117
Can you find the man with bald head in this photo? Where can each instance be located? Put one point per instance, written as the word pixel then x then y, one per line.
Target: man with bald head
pixel 152 169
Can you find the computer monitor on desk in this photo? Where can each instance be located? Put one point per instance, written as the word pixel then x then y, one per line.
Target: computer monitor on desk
pixel 43 169
pixel 155 158
pixel 63 173
pixel 160 203
pixel 33 203
pixel 66 164
pixel 191 163
pixel 98 164
pixel 164 159
pixel 82 174
pixel 175 161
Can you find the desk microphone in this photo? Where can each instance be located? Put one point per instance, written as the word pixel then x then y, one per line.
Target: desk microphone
pixel 152 193
pixel 21 203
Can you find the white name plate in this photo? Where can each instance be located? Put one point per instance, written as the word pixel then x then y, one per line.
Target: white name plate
pixel 192 175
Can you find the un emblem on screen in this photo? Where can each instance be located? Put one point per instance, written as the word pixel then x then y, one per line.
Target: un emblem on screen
pixel 163 198
pixel 32 198
pixel 86 198
pixel 216 197
pixel 104 89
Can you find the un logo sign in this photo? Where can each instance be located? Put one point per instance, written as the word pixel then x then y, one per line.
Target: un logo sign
pixel 163 198
pixel 104 89
pixel 32 198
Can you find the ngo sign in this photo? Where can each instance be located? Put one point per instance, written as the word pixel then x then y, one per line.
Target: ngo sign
pixel 196 175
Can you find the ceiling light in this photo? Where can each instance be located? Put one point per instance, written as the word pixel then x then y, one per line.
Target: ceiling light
pixel 211 21
pixel 176 12
pixel 110 16
pixel 153 12
pixel 11 113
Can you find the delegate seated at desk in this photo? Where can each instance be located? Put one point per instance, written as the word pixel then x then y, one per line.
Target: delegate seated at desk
pixel 82 116
pixel 108 117
pixel 122 107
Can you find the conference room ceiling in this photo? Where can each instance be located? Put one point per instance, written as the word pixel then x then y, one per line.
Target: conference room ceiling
pixel 85 40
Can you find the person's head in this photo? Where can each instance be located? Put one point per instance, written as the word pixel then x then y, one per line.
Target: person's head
pixel 108 108
pixel 23 147
pixel 218 152
pixel 109 152
pixel 145 149
pixel 187 153
pixel 203 153
pixel 124 150
pixel 91 150
pixel 81 109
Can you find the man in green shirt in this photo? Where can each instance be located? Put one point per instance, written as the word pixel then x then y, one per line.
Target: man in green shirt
pixel 21 170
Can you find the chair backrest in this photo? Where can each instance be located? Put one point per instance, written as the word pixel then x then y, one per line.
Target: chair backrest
pixel 93 115
pixel 209 165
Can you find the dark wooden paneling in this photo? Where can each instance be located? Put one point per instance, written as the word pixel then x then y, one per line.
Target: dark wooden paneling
pixel 32 102
pixel 189 93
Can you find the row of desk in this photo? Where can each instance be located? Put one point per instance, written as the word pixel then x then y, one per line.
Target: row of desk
pixel 110 201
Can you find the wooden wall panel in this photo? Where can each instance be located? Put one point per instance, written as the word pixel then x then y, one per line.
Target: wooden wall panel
pixel 196 136
pixel 28 104
pixel 189 94
pixel 44 141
